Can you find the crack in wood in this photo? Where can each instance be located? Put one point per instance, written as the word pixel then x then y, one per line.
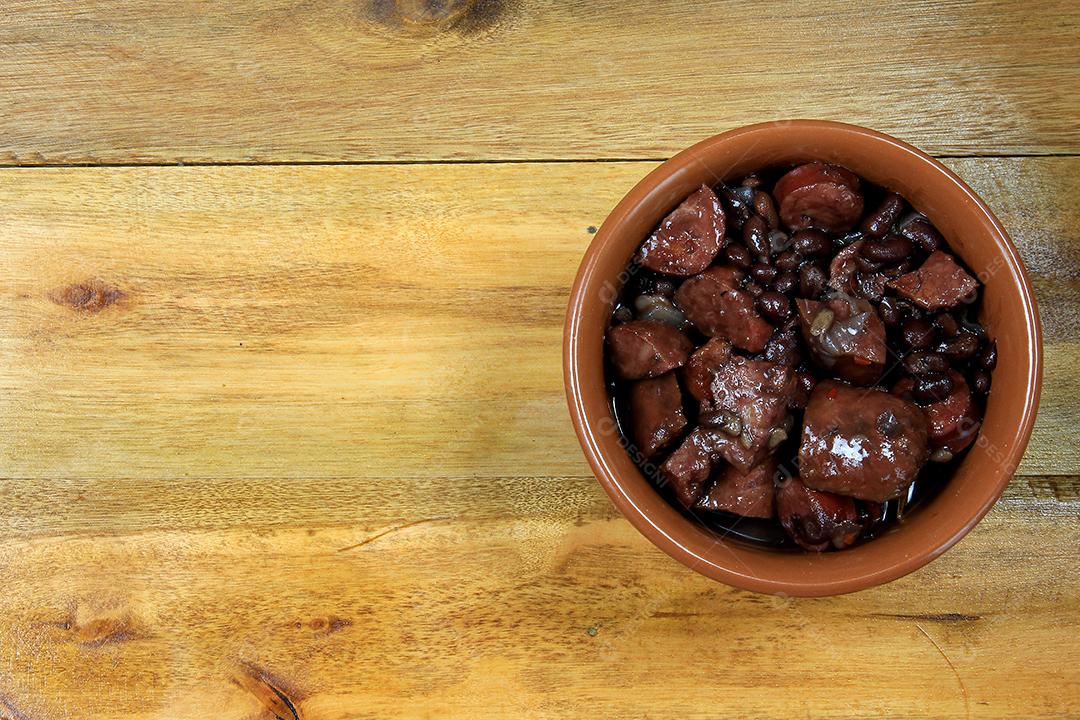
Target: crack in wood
pixel 963 688
pixel 388 531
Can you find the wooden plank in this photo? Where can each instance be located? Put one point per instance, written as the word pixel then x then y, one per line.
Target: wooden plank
pixel 508 599
pixel 127 81
pixel 355 321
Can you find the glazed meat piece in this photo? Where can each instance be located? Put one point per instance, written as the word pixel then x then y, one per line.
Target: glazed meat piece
pixel 843 266
pixel 716 307
pixel 688 468
pixel 846 337
pixel 820 196
pixel 939 283
pixel 952 423
pixel 646 348
pixel 688 239
pixel 748 404
pixel 750 493
pixel 701 368
pixel 656 412
pixel 816 520
pixel 861 442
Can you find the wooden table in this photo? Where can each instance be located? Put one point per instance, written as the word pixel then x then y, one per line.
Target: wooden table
pixel 281 299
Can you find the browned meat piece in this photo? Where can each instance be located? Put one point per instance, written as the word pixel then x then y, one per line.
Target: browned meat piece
pixel 688 239
pixel 656 412
pixel 821 196
pixel 846 337
pixel 703 365
pixel 749 494
pixel 843 266
pixel 688 468
pixel 646 348
pixel 816 520
pixel 939 283
pixel 953 423
pixel 861 442
pixel 748 403
pixel 712 302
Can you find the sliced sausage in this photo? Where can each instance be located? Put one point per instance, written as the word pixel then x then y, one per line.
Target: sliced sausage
pixel 861 442
pixel 714 305
pixel 646 348
pixel 656 413
pixel 748 403
pixel 939 283
pixel 750 493
pixel 952 423
pixel 820 196
pixel 688 468
pixel 688 239
pixel 815 520
pixel 846 337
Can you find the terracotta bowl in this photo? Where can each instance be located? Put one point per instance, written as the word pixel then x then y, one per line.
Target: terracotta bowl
pixel 1008 311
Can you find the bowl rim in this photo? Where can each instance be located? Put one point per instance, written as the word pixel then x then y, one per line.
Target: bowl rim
pixel 601 462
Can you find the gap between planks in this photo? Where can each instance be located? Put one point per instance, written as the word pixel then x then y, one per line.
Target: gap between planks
pixel 473 161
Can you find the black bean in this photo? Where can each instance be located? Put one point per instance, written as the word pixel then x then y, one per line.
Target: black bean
pixel 891 249
pixel 877 223
pixel 753 180
pixel 896 271
pixel 738 208
pixel 844 240
pixel 789 260
pixel 810 242
pixel 785 283
pixel 738 255
pixel 988 357
pixel 962 346
pixel 869 285
pixel 925 363
pixel 980 382
pixel 773 305
pixel 753 288
pixel 783 347
pixel 665 288
pixel 812 281
pixel 623 314
pixel 947 324
pixel 917 334
pixel 932 388
pixel 806 381
pixel 766 208
pixel 779 241
pixel 756 237
pixel 865 264
pixel 923 234
pixel 763 273
pixel 890 312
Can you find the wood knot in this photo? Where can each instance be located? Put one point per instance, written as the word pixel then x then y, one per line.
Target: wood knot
pixel 104 630
pixel 90 296
pixel 324 625
pixel 426 17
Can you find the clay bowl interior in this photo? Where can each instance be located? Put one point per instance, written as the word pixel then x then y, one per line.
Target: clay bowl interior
pixel 1008 311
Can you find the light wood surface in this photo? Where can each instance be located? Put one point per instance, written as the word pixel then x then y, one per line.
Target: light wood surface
pixel 289 441
pixel 254 80
pixel 304 427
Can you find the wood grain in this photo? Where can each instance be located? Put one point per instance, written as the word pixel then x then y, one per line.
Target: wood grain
pixel 340 321
pixel 127 81
pixel 291 442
